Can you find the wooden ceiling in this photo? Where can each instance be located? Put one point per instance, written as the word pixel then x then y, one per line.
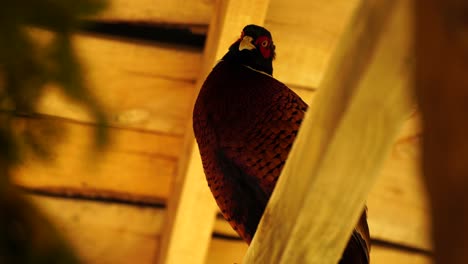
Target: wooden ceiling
pixel 148 89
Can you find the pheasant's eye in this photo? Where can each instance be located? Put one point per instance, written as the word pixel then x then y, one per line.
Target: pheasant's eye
pixel 265 43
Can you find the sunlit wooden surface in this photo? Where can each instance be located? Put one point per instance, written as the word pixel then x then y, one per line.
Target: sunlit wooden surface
pixel 148 89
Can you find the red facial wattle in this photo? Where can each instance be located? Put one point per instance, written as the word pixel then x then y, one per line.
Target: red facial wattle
pixel 264 45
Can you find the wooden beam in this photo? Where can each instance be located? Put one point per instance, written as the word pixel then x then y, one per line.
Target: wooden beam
pixel 135 166
pixel 343 142
pixel 442 91
pixel 191 210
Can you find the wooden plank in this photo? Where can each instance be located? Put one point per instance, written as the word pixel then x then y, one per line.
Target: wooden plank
pixel 341 145
pixel 231 251
pixel 105 233
pixel 102 232
pixel 306 33
pixel 160 11
pixel 141 86
pixel 151 94
pixel 226 251
pixel 306 94
pixel 441 87
pixel 303 50
pixel 398 205
pixel 155 93
pixel 135 166
pixel 191 204
pixel 384 255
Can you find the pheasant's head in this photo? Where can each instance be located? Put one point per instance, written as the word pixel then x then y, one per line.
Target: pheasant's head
pixel 254 48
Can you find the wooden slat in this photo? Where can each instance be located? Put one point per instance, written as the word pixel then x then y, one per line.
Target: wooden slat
pixel 306 94
pixel 306 34
pixel 154 93
pixel 384 255
pixel 442 90
pixel 105 233
pixel 226 251
pixel 303 50
pixel 136 166
pixel 229 251
pixel 160 11
pixel 398 204
pixel 140 86
pixel 151 87
pixel 118 233
pixel 191 208
pixel 342 144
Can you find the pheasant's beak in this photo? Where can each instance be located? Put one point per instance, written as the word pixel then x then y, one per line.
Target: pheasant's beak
pixel 246 43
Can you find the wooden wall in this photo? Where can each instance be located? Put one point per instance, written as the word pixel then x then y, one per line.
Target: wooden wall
pixel 110 203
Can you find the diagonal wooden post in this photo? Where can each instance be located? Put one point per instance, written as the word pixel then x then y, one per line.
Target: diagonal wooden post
pixel 344 139
pixel 191 209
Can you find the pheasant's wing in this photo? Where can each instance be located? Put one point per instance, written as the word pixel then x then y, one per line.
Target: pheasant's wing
pixel 244 200
pixel 253 163
pixel 266 143
pixel 238 195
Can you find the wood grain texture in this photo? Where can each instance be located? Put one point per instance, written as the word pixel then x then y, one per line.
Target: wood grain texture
pixel 105 233
pixel 341 145
pixel 108 233
pixel 191 198
pixel 229 251
pixel 140 86
pixel 441 87
pixel 398 206
pixel 135 166
pixel 151 87
pixel 305 32
pixel 160 11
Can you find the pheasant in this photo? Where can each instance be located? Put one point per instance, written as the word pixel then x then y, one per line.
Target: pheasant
pixel 245 122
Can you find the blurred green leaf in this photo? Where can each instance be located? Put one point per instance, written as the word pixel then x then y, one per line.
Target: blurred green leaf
pixel 26 68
